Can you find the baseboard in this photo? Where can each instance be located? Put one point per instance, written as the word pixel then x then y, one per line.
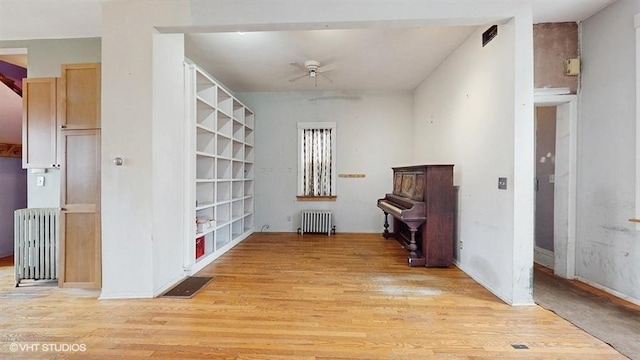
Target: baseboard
pixel 609 290
pixel 507 299
pixel 169 285
pixel 544 257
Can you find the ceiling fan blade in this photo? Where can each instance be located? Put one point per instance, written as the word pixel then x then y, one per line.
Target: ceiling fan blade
pixel 298 77
pixel 326 68
pixel 325 76
pixel 301 67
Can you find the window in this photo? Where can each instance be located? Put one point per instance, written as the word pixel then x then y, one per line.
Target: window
pixel 317 159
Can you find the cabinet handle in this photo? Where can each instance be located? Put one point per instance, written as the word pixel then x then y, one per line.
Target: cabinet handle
pixel 63 126
pixel 63 209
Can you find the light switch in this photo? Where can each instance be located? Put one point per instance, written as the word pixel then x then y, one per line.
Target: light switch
pixel 502 183
pixel 40 181
pixel 552 178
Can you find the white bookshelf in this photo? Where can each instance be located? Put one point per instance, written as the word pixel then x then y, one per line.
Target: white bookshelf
pixel 220 171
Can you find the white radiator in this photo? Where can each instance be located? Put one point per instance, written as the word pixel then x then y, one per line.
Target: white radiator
pixel 316 221
pixel 36 244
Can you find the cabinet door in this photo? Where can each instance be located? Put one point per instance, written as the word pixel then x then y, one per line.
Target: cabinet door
pixel 39 123
pixel 80 249
pixel 79 96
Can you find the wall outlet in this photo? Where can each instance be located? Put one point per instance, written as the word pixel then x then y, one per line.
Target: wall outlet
pixel 289 218
pixel 502 183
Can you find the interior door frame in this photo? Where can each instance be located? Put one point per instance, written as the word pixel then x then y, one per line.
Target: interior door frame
pixel 565 192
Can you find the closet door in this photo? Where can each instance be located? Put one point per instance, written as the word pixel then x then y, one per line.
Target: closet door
pixel 80 248
pixel 79 96
pixel 39 123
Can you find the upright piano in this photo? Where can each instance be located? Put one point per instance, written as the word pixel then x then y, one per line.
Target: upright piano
pixel 422 206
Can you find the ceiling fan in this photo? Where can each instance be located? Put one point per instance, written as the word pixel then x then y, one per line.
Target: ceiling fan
pixel 313 70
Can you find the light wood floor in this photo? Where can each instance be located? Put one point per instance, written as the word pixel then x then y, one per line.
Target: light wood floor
pixel 282 296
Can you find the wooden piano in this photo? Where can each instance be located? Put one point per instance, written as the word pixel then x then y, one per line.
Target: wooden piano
pixel 422 205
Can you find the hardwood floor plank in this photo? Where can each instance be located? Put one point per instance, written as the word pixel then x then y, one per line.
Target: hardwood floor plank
pixel 284 296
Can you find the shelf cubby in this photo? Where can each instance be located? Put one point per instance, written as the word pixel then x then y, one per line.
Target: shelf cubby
pixel 224 147
pixel 223 212
pixel 223 169
pixel 223 236
pixel 236 228
pixel 209 243
pixel 248 188
pixel 205 213
pixel 238 111
pixel 238 131
pixel 248 153
pixel 225 102
pixel 205 115
pixel 238 170
pixel 205 141
pixel 204 167
pixel 237 209
pixel 223 191
pixel 248 171
pixel 205 193
pixel 205 88
pixel 248 205
pixel 224 124
pixel 248 136
pixel 248 222
pixel 238 150
pixel 249 118
pixel 237 190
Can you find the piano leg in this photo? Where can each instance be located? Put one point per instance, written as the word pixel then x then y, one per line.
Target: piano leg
pixel 386 226
pixel 414 259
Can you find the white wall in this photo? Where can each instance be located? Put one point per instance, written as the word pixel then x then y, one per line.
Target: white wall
pixel 370 129
pixel 142 116
pixel 465 115
pixel 607 245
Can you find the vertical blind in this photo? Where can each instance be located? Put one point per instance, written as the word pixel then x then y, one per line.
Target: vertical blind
pixel 317 156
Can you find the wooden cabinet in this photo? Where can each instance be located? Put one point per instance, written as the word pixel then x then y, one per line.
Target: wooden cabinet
pixel 220 140
pixel 79 153
pixel 61 129
pixel 79 96
pixel 71 101
pixel 39 123
pixel 80 246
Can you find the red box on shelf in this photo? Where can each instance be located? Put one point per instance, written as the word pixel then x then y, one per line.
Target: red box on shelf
pixel 199 246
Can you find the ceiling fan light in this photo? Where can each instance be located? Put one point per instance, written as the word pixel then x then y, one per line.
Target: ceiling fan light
pixel 312 73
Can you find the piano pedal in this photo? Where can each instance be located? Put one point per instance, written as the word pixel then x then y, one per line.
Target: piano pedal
pixel 416 261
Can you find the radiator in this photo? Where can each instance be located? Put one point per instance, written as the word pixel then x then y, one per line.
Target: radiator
pixel 36 244
pixel 316 221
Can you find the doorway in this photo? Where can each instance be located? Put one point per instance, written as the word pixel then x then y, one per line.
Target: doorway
pixel 560 252
pixel 13 179
pixel 545 120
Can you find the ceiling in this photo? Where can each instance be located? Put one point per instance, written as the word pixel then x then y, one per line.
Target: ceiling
pixel 364 59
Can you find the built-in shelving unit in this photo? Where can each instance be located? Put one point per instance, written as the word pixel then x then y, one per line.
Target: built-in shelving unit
pixel 220 136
